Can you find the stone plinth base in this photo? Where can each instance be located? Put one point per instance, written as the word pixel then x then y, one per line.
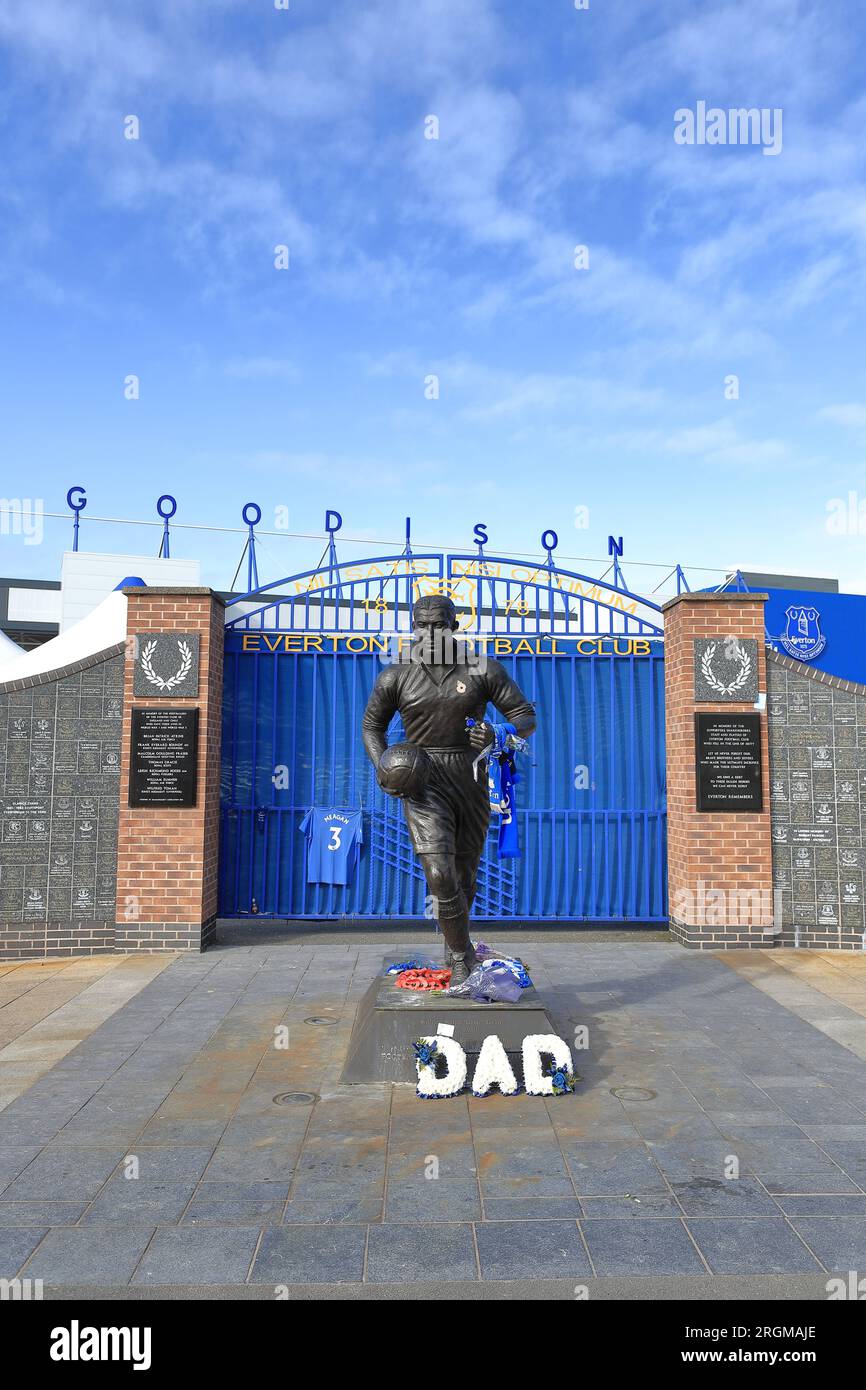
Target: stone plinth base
pixel 389 1020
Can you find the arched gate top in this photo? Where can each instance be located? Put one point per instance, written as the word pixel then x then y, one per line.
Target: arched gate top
pixel 494 594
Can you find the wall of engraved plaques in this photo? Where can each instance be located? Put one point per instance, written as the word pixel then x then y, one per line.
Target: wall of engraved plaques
pixel 60 745
pixel 817 750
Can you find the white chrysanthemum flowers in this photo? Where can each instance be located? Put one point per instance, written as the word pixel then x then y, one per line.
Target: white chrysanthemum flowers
pixel 493 1069
pixel 433 1087
pixel 535 1047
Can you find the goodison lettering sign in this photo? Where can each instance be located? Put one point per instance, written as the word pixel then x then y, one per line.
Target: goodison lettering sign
pixel 463 571
pixel 385 643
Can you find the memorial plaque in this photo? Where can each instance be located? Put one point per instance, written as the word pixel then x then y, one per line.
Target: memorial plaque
pixel 164 757
pixel 728 762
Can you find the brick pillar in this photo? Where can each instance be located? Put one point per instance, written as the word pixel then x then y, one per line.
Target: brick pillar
pixel 720 870
pixel 167 857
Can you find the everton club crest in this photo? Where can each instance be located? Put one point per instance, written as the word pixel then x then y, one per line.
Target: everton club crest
pixel 803 637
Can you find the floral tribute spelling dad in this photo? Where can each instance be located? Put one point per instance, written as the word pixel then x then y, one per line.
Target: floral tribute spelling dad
pixel 442 1067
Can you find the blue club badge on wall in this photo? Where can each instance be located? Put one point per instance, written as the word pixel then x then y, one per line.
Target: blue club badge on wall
pixel 803 638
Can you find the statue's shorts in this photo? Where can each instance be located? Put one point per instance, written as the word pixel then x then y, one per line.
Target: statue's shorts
pixel 452 815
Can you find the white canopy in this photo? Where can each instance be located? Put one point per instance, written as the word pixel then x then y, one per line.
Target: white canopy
pixel 8 648
pixel 104 627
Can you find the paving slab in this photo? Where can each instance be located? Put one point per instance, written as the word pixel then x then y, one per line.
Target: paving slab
pixel 759 1246
pixel 539 1250
pixel 39 1213
pixel 221 1211
pixel 644 1204
pixel 89 1255
pixel 420 1253
pixel 612 1167
pixel 532 1209
pixel 60 1173
pixel 839 1242
pixel 311 1254
pixel 712 1196
pixel 641 1247
pixel 220 1255
pixel 139 1202
pixel 16 1244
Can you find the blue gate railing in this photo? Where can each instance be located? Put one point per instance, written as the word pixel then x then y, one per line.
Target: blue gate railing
pixel 591 800
pixel 301 657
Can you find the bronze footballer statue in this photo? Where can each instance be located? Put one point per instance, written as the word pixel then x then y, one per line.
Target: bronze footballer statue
pixel 447 808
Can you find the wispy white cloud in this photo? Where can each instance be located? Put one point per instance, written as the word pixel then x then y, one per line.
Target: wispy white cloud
pixel 717 444
pixel 851 414
pixel 263 369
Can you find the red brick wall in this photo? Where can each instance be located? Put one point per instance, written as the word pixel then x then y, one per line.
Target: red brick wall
pixel 720 870
pixel 167 859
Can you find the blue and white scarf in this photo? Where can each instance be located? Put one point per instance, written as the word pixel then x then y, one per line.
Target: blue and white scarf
pixel 501 777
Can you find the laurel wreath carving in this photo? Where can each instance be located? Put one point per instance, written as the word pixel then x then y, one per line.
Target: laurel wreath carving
pixel 739 680
pixel 179 676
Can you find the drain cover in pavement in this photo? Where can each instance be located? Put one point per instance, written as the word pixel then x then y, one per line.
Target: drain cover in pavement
pixel 633 1093
pixel 316 1019
pixel 295 1098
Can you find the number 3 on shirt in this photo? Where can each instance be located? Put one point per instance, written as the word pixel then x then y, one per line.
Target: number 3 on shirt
pixel 336 833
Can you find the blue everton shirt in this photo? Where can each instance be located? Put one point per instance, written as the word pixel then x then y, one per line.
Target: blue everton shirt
pixel 334 839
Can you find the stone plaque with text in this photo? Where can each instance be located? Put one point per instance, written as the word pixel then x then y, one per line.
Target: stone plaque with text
pixel 163 757
pixel 728 762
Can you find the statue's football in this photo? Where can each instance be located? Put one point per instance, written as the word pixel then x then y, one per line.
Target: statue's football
pixel 403 770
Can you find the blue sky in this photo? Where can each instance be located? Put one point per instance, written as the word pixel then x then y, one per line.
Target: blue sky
pixel 559 388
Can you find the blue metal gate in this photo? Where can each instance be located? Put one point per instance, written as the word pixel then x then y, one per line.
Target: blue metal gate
pixel 301 657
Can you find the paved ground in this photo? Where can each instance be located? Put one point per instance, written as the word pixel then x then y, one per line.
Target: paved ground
pixel 748 1063
pixel 47 1007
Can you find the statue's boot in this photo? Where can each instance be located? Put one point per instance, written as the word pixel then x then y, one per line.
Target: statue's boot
pixel 461 964
pixel 453 919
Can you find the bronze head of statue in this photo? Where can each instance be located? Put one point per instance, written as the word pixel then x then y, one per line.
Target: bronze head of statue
pixel 434 622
